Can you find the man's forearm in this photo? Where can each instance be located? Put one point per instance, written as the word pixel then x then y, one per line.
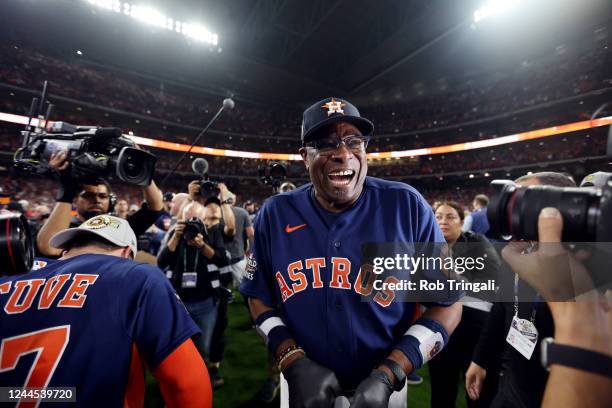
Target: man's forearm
pixel 257 308
pixel 449 316
pixel 229 220
pixel 153 196
pixel 57 221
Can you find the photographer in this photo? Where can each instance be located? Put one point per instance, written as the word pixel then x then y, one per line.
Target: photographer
pixel 194 254
pixel 523 378
pixel 581 372
pixel 229 229
pixel 91 200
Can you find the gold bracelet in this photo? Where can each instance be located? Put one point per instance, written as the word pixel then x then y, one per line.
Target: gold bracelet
pixel 289 354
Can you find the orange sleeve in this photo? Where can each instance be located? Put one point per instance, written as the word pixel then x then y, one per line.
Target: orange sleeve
pixel 183 378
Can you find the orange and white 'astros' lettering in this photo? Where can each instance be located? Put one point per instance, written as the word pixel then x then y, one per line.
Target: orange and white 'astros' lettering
pixel 306 275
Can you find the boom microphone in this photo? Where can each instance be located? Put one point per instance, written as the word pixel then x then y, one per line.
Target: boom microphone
pixel 228 103
pixel 199 166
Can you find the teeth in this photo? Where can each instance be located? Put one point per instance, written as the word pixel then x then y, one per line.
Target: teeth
pixel 342 173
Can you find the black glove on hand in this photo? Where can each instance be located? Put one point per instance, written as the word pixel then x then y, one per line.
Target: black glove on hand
pixel 68 188
pixel 374 391
pixel 310 384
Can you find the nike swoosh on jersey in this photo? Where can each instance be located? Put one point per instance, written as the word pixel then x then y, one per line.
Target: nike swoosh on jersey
pixel 289 229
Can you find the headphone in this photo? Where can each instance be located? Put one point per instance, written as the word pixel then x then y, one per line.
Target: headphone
pixel 112 201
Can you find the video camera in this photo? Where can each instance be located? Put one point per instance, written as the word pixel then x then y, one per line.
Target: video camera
pixel 92 152
pixel 272 173
pixel 513 211
pixel 208 187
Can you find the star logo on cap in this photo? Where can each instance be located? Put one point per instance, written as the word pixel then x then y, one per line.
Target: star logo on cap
pixel 334 106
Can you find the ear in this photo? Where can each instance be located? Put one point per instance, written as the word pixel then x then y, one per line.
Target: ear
pixel 126 252
pixel 304 153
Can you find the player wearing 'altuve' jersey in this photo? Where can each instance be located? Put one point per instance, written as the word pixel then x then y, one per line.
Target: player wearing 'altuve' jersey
pixel 304 279
pixel 93 321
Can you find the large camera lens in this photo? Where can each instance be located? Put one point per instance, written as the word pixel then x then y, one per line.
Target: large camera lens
pixel 193 227
pixel 135 166
pixel 209 188
pixel 16 246
pixel 513 210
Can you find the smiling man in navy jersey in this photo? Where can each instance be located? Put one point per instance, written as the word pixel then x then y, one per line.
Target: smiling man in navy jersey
pixel 302 279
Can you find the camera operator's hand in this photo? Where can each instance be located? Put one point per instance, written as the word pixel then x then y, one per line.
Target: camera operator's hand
pixel 59 160
pixel 68 188
pixel 176 236
pixel 551 270
pixel 179 228
pixel 198 241
pixel 224 192
pixel 194 189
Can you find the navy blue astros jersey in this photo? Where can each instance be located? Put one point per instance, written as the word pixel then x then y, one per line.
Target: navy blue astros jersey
pixel 306 262
pixel 89 322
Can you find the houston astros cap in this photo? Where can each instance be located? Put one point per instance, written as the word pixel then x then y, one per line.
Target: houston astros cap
pixel 598 179
pixel 113 229
pixel 329 111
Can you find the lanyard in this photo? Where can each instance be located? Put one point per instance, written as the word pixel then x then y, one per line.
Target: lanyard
pixel 536 300
pixel 195 264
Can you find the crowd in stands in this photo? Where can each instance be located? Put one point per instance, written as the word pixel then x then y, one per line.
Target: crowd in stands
pixel 544 81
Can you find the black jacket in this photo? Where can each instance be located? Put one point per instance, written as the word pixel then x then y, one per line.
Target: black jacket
pixel 191 258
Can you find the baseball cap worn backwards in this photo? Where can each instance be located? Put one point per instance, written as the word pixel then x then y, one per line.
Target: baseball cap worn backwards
pixel 329 111
pixel 113 229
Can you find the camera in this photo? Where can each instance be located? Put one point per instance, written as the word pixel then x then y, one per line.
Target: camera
pixel 193 227
pixel 513 211
pixel 272 173
pixel 209 188
pixel 92 152
pixel 16 245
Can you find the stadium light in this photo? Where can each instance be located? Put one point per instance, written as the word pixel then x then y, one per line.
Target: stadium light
pixel 149 15
pixel 198 32
pixel 493 7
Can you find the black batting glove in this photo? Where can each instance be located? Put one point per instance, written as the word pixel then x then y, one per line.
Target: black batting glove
pixel 374 391
pixel 311 385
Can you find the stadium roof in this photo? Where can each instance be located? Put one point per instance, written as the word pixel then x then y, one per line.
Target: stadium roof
pixel 296 51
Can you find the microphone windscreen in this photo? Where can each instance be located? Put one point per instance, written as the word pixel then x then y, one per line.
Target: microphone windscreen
pixel 199 166
pixel 228 103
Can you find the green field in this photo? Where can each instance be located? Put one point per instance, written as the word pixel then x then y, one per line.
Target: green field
pixel 245 369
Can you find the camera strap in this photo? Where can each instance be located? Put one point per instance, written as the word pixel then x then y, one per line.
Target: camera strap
pixel 189 278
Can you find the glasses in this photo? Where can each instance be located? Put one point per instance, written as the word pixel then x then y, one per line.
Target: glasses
pixel 355 144
pixel 90 195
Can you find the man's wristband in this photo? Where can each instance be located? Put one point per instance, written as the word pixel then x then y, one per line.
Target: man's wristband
pixel 575 357
pixel 288 352
pixel 397 371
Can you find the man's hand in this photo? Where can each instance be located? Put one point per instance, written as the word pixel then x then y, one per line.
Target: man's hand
pixel 194 189
pixel 225 193
pixel 68 189
pixel 310 384
pixel 474 380
pixel 374 391
pixel 198 241
pixel 179 228
pixel 551 270
pixel 59 160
